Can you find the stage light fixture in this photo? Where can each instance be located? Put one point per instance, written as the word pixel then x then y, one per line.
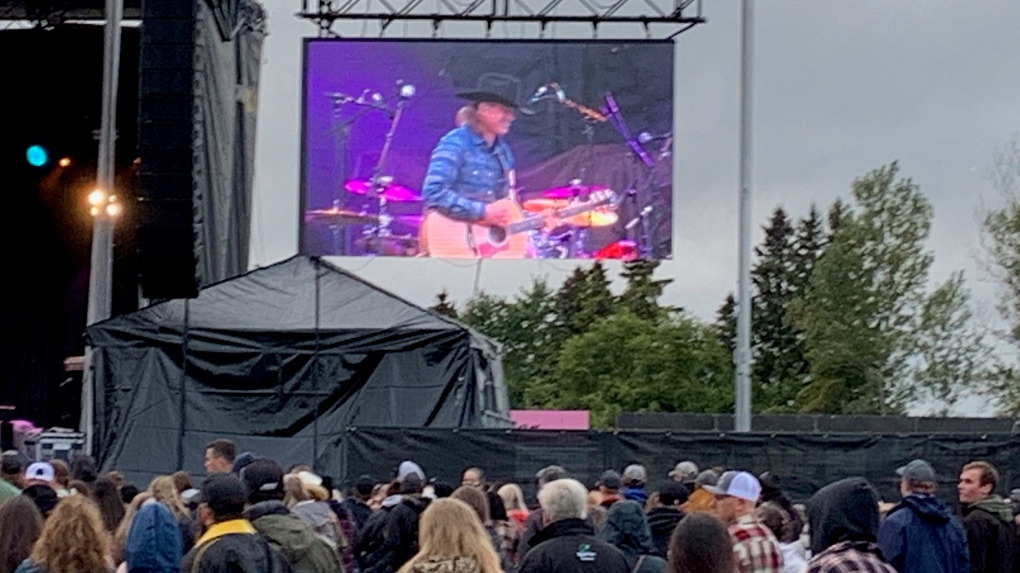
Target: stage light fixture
pixel 96 197
pixel 94 211
pixel 64 162
pixel 113 209
pixel 37 156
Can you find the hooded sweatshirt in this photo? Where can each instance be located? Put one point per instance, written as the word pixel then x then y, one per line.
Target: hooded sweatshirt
pixel 153 543
pixel 662 521
pixel 297 543
pixel 627 529
pixel 843 518
pixel 920 535
pixel 991 535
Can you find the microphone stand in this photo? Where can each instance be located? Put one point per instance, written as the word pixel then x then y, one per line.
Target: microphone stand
pixel 376 191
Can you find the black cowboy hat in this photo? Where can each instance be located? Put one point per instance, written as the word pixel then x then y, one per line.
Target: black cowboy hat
pixel 497 88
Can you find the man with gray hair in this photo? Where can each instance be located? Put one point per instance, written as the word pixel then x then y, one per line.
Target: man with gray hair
pixel 534 523
pixel 567 543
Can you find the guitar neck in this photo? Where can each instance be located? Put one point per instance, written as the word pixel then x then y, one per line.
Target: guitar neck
pixel 536 222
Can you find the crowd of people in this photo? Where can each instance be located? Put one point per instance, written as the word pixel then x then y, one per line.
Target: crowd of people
pixel 251 515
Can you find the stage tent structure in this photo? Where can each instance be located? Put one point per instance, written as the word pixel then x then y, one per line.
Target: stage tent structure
pixel 283 360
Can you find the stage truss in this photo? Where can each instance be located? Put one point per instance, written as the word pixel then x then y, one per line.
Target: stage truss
pixel 670 17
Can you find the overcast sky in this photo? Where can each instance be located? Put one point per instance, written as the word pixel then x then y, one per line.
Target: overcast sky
pixel 839 88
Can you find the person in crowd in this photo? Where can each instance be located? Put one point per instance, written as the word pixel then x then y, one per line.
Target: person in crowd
pixel 771 491
pixel 843 521
pixel 83 469
pixel 452 540
pixel 397 539
pixel 219 456
pixel 988 520
pixel 116 477
pixel 513 501
pixel 119 539
pixel 20 526
pixel 164 490
pixel 754 547
pixel 182 481
pixel 700 544
pixel 700 498
pixel 479 502
pixel 663 518
pixel 627 529
pixel 535 522
pixel 921 534
pixel 241 461
pixel 306 498
pixel 356 503
pixel 567 543
pixel 73 540
pixel 370 537
pixel 78 487
pixel 506 530
pixel 229 542
pixel 153 543
pixel 38 479
pixel 107 499
pixel 777 520
pixel 609 488
pixel 298 544
pixel 12 469
pixel 128 492
pixel 634 478
pixel 473 477
pixel 61 477
pixel 685 472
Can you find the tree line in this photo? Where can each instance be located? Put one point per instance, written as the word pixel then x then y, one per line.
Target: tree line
pixel 845 320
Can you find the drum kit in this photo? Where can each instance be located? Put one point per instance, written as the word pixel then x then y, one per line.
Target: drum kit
pixel 395 234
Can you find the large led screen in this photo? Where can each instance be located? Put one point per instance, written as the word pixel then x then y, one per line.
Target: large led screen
pixel 493 149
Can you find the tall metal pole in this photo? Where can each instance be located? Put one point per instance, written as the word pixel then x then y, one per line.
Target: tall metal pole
pixel 101 269
pixel 742 358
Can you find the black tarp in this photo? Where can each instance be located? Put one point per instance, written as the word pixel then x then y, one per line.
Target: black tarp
pixel 804 462
pixel 283 360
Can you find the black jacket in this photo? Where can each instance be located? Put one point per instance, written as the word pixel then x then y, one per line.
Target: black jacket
pixel 399 537
pixel 233 546
pixel 358 510
pixel 991 535
pixel 570 546
pixel 662 521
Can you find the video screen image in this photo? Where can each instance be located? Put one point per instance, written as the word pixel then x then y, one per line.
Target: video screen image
pixel 487 149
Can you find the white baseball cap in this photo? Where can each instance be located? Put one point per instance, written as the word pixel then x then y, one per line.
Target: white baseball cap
pixel 41 471
pixel 737 484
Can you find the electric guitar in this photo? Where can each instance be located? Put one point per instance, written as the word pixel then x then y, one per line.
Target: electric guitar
pixel 442 237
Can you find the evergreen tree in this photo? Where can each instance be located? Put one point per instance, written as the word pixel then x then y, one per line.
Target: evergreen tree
pixel 725 326
pixel 444 305
pixel 641 296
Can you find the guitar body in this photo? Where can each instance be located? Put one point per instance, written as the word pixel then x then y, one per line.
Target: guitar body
pixel 445 238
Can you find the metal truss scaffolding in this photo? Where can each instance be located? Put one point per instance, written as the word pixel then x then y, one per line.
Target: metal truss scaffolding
pixel 675 16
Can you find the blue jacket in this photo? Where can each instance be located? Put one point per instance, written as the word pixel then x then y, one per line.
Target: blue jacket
pixel 153 542
pixel 465 174
pixel 921 535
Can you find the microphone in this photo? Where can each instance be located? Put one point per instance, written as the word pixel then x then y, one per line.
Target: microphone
pixel 634 222
pixel 645 137
pixel 339 97
pixel 539 94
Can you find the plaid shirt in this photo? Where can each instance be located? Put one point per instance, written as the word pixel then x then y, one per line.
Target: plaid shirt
pixel 465 174
pixel 850 557
pixel 754 547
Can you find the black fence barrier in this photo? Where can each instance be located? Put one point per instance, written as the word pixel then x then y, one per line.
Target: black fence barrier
pixel 804 462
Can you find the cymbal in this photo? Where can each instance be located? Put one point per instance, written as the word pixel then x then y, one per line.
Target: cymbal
pixel 339 217
pixel 390 191
pixel 600 217
pixel 568 192
pixel 390 245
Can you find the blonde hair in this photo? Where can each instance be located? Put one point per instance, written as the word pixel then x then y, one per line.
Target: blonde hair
pixel 294 491
pixel 450 529
pixel 164 490
pixel 512 496
pixel 120 536
pixel 73 539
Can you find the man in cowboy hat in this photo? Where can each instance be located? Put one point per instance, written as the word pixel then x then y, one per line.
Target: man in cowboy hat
pixel 472 167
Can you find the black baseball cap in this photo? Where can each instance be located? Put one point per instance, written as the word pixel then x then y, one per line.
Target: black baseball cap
pixel 224 494
pixel 263 480
pixel 610 480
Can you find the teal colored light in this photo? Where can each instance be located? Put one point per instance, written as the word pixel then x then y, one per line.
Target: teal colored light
pixel 37 156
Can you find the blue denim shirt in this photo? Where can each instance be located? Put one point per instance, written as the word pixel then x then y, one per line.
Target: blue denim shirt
pixel 465 174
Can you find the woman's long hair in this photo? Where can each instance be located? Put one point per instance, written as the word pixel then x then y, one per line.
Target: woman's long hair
pixel 20 525
pixel 513 497
pixel 477 500
pixel 107 499
pixel 164 490
pixel 700 544
pixel 450 529
pixel 73 540
pixel 120 536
